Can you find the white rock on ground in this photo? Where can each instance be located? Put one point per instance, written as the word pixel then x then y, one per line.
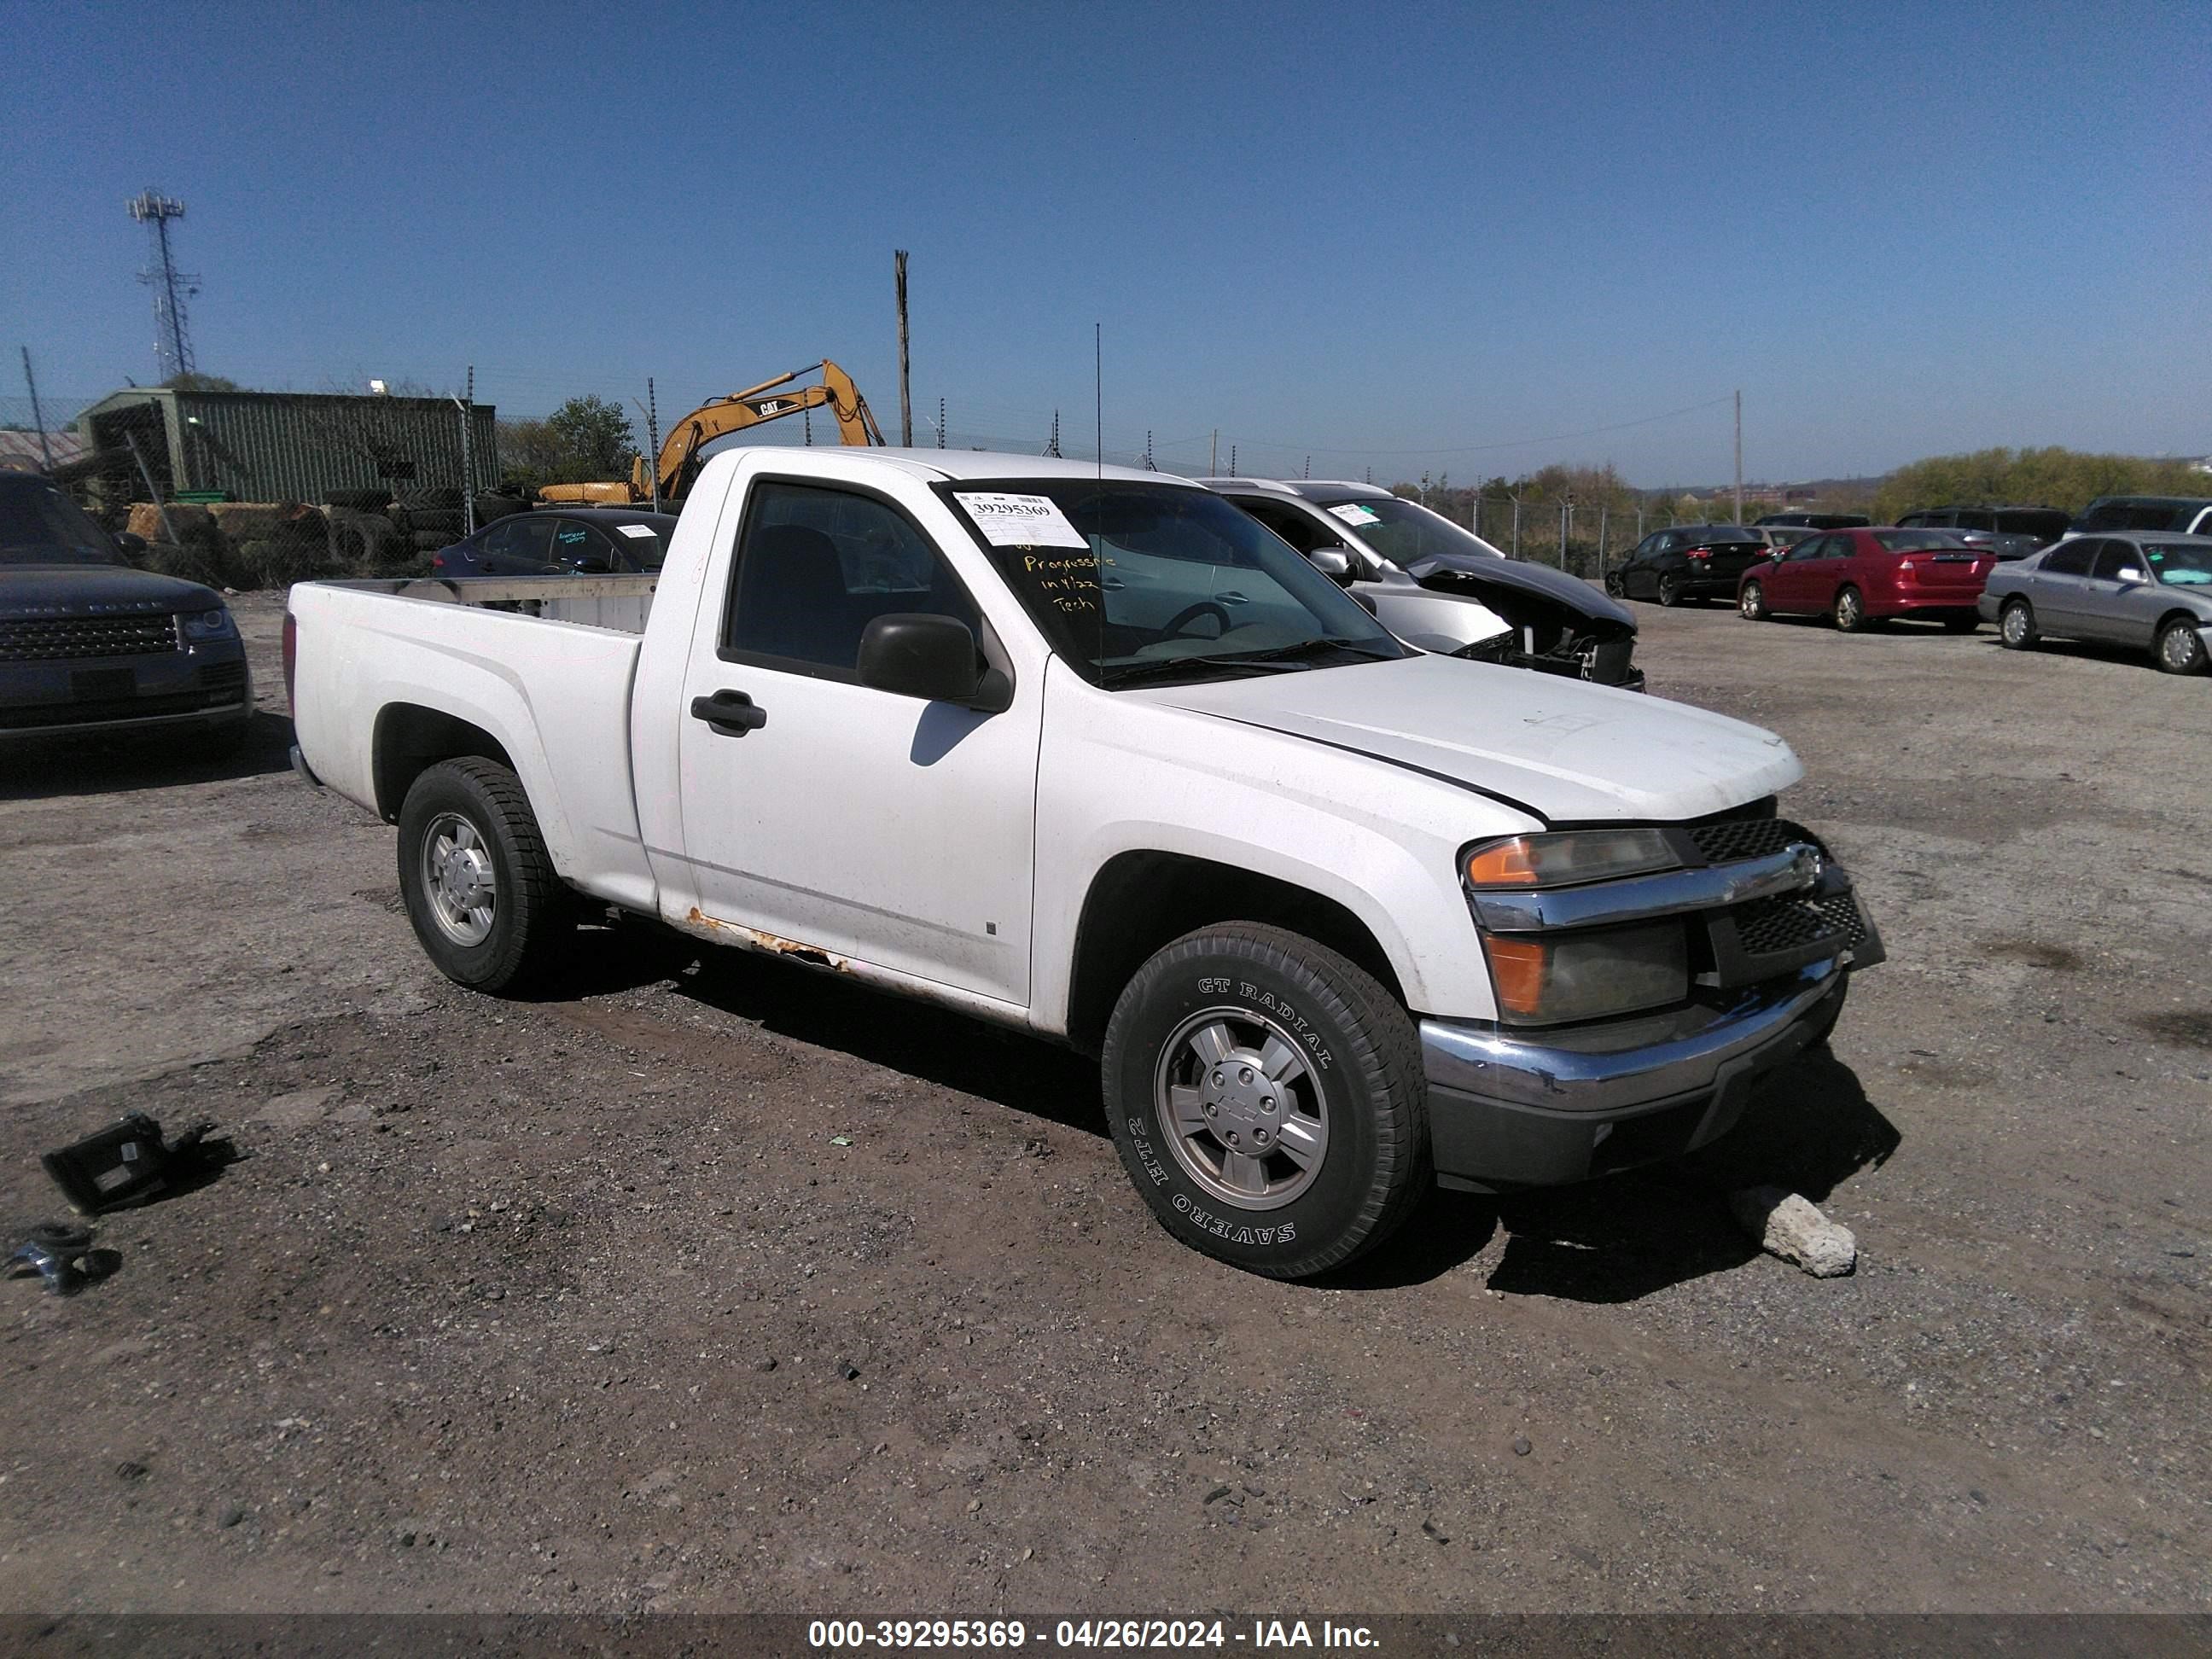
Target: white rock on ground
pixel 1791 1226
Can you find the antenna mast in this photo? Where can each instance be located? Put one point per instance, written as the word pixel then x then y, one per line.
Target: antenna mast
pixel 173 346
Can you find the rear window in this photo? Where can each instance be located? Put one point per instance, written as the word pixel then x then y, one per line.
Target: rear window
pixel 1915 541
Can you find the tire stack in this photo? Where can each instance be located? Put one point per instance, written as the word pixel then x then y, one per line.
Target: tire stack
pixel 429 519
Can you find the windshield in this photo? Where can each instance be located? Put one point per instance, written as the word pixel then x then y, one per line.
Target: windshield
pixel 2180 564
pixel 645 540
pixel 1137 581
pixel 1406 532
pixel 1915 541
pixel 38 525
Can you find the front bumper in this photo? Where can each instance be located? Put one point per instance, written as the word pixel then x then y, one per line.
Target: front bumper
pixel 207 686
pixel 1507 1110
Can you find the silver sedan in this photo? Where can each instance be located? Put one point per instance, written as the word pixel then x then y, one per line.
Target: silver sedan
pixel 2137 588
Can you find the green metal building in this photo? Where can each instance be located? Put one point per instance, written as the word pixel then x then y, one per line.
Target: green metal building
pixel 285 446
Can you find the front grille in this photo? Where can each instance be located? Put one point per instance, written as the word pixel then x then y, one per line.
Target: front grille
pixel 61 639
pixel 1841 911
pixel 1733 839
pixel 1767 926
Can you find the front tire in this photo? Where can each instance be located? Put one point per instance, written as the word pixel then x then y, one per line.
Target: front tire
pixel 479 886
pixel 1267 1099
pixel 1751 603
pixel 2180 647
pixel 2016 629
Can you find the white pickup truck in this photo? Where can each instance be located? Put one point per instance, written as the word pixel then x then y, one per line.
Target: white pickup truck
pixel 1092 753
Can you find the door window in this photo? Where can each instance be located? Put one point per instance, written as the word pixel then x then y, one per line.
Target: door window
pixel 1292 525
pixel 529 544
pixel 815 567
pixel 578 545
pixel 2071 558
pixel 2113 557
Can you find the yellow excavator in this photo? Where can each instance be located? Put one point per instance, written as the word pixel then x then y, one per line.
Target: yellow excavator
pixel 677 464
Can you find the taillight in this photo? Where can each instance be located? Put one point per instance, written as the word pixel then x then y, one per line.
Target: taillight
pixel 291 656
pixel 1701 552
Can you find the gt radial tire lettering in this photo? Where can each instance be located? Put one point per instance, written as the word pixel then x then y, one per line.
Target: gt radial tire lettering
pixel 1284 1011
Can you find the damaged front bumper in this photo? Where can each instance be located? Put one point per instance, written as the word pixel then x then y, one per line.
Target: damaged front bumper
pixel 1777 932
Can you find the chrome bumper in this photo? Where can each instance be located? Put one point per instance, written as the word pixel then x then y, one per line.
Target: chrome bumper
pixel 1509 1109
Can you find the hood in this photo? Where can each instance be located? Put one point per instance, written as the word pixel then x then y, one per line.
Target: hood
pixel 91 590
pixel 1565 751
pixel 1517 574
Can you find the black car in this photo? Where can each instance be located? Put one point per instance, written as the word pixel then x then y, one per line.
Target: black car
pixel 583 541
pixel 88 643
pixel 2010 532
pixel 1689 561
pixel 1816 520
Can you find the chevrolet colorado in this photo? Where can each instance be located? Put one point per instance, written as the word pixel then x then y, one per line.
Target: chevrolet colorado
pixel 1089 752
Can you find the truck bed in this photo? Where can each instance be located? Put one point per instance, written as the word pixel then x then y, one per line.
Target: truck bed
pixel 619 603
pixel 543 664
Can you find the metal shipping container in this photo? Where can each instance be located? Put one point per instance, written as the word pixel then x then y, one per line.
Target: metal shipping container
pixel 292 446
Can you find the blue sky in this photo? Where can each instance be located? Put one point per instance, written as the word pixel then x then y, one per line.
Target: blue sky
pixel 1399 239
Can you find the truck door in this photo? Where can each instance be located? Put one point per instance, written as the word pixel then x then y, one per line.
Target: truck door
pixel 837 818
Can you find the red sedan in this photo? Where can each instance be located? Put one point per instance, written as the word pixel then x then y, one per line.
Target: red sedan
pixel 1862 577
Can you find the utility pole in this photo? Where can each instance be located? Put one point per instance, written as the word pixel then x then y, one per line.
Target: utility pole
pixel 467 406
pixel 653 439
pixel 1214 456
pixel 940 422
pixel 906 399
pixel 173 350
pixel 1739 457
pixel 38 416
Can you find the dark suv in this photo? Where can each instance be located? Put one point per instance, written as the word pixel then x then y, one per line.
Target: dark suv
pixel 88 643
pixel 2007 532
pixel 1815 520
pixel 2180 515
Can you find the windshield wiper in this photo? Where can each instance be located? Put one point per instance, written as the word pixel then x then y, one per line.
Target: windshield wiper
pixel 1305 651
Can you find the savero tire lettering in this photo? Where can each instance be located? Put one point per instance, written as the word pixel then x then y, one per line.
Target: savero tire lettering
pixel 1231 1232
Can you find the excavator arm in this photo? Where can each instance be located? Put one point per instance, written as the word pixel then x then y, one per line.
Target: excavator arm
pixel 679 463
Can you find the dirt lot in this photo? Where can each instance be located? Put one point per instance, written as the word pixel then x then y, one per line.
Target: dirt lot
pixel 578 1304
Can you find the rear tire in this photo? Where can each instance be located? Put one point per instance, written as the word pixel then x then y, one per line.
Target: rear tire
pixel 2179 649
pixel 1670 589
pixel 1751 603
pixel 1850 612
pixel 1267 1099
pixel 480 888
pixel 2016 629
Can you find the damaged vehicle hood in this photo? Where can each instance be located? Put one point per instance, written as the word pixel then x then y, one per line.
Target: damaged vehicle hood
pixel 1454 572
pixel 1562 750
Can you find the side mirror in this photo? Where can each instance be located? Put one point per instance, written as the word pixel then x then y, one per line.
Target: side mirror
pixel 2131 575
pixel 1333 562
pixel 133 546
pixel 593 568
pixel 933 657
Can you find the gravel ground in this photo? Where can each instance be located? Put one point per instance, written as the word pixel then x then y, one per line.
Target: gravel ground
pixel 578 1305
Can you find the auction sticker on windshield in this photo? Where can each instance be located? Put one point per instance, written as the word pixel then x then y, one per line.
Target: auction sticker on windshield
pixel 1352 513
pixel 643 532
pixel 1020 521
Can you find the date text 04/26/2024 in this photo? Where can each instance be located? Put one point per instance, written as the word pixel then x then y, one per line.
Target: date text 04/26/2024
pixel 896 1635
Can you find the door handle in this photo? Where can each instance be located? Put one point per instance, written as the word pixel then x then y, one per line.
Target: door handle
pixel 733 714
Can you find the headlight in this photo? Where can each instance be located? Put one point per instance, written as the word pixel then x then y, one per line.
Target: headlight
pixel 201 627
pixel 1550 979
pixel 1570 856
